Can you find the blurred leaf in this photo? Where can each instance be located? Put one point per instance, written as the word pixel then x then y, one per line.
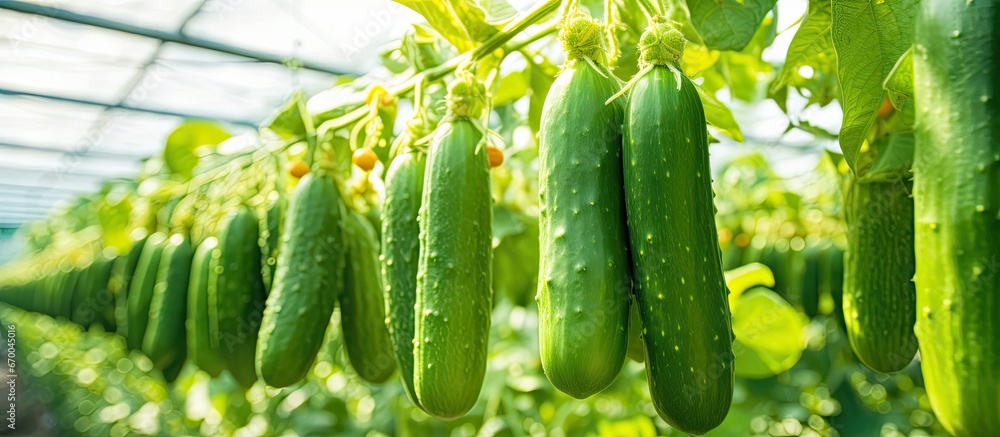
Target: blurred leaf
pixel 288 122
pixel 511 87
pixel 637 426
pixel 698 58
pixel 497 12
pixel 816 131
pixel 459 21
pixel 422 48
pixel 543 73
pixel 719 116
pixel 180 154
pixel 728 24
pixel 768 334
pixel 746 277
pixel 114 215
pixel 869 38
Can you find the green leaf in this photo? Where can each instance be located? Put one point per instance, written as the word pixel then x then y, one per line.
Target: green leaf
pixel 812 45
pixel 460 22
pixel 743 278
pixel 728 24
pixel 869 38
pixel 180 153
pixel 497 12
pixel 899 85
pixel 718 115
pixel 895 155
pixel 511 88
pixel 288 122
pixel 768 334
pixel 542 75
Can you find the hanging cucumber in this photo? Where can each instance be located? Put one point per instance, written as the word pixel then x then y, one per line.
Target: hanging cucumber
pixel 811 283
pixel 401 255
pixel 307 281
pixel 956 204
pixel 236 294
pixel 453 278
pixel 679 281
pixel 584 287
pixel 199 340
pixel 121 280
pixel 879 295
pixel 140 293
pixel 362 305
pixel 164 339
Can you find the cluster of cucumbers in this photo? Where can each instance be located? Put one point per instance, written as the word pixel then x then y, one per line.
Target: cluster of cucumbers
pixel 627 215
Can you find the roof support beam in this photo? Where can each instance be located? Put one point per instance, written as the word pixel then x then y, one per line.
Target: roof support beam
pixel 104 23
pixel 16 93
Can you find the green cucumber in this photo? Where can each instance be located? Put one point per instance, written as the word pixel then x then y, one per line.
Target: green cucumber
pixel 584 287
pixel 270 227
pixel 199 340
pixel 362 306
pixel 140 294
pixel 680 287
pixel 163 341
pixel 80 295
pixel 236 294
pixel 308 279
pixel 104 300
pixel 404 183
pixel 121 281
pixel 957 200
pixel 879 295
pixel 453 299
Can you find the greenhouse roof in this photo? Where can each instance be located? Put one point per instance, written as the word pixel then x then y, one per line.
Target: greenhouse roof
pixel 90 89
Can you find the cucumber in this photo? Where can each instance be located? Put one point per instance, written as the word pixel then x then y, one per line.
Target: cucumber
pixel 453 278
pixel 879 295
pixel 404 183
pixel 140 294
pixel 308 279
pixel 68 283
pixel 956 202
pixel 270 227
pixel 104 300
pixel 236 294
pixel 199 340
pixel 80 295
pixel 362 306
pixel 164 340
pixel 121 281
pixel 680 287
pixel 584 287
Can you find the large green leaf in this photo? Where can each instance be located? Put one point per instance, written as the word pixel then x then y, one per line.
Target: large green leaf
pixel 869 37
pixel 899 85
pixel 768 334
pixel 812 45
pixel 180 154
pixel 728 24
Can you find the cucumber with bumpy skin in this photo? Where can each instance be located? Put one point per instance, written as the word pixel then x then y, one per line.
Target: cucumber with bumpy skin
pixel 879 295
pixel 121 280
pixel 236 294
pixel 680 288
pixel 362 306
pixel 584 290
pixel 308 279
pixel 164 341
pixel 404 183
pixel 199 340
pixel 957 201
pixel 453 278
